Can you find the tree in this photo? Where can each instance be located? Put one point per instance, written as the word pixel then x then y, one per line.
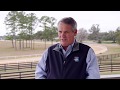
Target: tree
pixel 53 29
pixel 21 27
pixel 22 24
pixel 49 30
pixel 32 24
pixel 44 20
pixel 94 32
pixel 117 34
pixel 38 35
pixel 11 22
pixel 81 35
pixel 118 39
pixel 112 36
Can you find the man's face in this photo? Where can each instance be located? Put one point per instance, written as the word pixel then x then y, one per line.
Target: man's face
pixel 66 34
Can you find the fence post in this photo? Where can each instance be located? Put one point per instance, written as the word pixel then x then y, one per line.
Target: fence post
pixel 107 56
pixel 31 65
pixel 20 74
pixel 111 62
pixel 5 67
pixel 103 57
pixel 18 66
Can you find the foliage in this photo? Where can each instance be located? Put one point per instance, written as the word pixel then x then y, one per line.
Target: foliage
pixel 94 32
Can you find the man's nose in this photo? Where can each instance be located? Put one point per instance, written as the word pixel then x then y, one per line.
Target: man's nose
pixel 62 34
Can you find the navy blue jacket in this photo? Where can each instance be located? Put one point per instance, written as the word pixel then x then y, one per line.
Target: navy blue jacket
pixel 71 67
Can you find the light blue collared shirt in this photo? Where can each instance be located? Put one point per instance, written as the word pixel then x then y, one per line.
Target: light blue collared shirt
pixel 91 60
pixel 68 50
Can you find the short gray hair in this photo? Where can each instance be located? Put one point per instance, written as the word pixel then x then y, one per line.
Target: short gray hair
pixel 70 21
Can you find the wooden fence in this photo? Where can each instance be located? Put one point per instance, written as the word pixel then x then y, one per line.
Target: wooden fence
pixel 29 74
pixel 109 57
pixel 109 68
pixel 23 70
pixel 18 66
pixel 26 70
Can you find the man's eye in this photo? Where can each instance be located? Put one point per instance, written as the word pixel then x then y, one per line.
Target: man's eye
pixel 66 32
pixel 60 32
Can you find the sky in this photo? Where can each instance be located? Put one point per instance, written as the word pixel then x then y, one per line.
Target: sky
pixel 107 20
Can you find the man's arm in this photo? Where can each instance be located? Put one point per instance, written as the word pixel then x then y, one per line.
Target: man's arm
pixel 92 65
pixel 40 67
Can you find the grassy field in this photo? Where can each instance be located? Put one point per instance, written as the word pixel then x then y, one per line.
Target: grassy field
pixel 7 50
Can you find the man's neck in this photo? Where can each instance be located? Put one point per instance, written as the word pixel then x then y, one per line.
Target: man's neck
pixel 65 47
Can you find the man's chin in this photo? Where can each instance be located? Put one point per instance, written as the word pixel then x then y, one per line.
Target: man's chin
pixel 64 45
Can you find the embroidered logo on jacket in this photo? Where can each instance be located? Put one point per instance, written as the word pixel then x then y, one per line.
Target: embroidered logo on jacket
pixel 76 59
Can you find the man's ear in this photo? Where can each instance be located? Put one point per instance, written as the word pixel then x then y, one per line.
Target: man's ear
pixel 75 32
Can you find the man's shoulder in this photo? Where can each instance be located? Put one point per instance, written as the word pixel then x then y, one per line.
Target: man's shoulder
pixel 84 48
pixel 54 45
pixel 84 45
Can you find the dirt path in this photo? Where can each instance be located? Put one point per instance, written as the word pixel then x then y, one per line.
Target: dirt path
pixel 98 48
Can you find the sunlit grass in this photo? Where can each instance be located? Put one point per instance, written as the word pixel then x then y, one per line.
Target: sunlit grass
pixel 7 50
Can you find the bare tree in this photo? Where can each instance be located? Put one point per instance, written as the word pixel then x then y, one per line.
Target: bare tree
pixel 81 35
pixel 94 32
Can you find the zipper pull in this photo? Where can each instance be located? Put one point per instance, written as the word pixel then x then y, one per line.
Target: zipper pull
pixel 64 62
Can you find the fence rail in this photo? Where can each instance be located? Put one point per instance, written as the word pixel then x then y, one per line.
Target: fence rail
pixel 108 65
pixel 18 75
pixel 18 66
pixel 110 56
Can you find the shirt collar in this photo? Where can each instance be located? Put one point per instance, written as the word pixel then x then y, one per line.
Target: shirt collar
pixel 71 45
pixel 75 46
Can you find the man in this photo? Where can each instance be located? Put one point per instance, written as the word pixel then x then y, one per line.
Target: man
pixel 68 59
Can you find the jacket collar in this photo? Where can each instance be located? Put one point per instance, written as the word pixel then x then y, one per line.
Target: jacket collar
pixel 75 47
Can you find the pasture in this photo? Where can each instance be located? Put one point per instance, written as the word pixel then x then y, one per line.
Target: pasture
pixel 39 47
pixel 6 50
